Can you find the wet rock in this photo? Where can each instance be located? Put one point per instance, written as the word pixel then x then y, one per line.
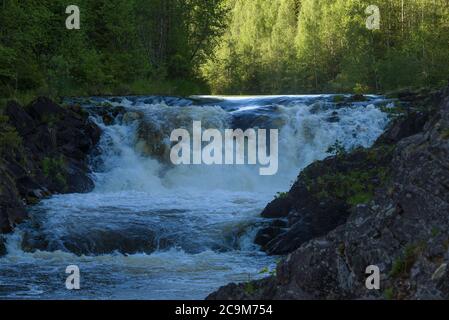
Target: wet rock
pixel 2 247
pixel 403 230
pixel 322 197
pixel 279 223
pixel 334 118
pixel 358 98
pixel 77 180
pixel 131 117
pixel 45 110
pixel 108 113
pixel 12 210
pixel 5 226
pixel 257 290
pixel 326 191
pixel 95 242
pixel 152 141
pixel 52 157
pixel 278 208
pixel 19 118
pixel 265 235
pixel 299 233
pixel 403 128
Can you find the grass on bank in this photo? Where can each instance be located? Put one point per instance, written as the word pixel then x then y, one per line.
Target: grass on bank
pixel 356 185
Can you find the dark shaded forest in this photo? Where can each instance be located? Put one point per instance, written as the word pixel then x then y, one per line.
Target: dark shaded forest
pixel 221 46
pixel 122 47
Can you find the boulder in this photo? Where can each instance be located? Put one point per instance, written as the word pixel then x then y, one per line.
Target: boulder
pixel 45 110
pixel 402 128
pixel 77 180
pixel 278 208
pixel 358 98
pixel 12 210
pixel 403 229
pixel 323 195
pixel 52 157
pixel 256 290
pixel 2 247
pixel 19 118
pixel 265 235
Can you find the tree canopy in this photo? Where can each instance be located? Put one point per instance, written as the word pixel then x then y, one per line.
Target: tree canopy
pixel 221 46
pixel 121 47
pixel 291 46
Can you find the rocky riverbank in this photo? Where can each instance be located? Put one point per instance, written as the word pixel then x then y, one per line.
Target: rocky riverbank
pixel 386 206
pixel 44 150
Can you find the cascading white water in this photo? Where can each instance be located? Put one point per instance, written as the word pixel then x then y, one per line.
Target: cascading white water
pixel 151 230
pixel 306 132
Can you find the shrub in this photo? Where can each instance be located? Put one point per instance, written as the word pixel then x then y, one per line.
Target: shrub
pixel 389 294
pixel 360 89
pixel 54 168
pixel 281 195
pixel 10 140
pixel 354 187
pixel 249 288
pixel 402 265
pixel 352 177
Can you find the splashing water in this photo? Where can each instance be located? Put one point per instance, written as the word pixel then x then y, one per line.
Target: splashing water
pixel 151 230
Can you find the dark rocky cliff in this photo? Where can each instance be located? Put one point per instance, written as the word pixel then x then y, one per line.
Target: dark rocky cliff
pixel 44 150
pixel 386 206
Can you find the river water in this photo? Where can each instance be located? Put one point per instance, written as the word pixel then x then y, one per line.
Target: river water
pixel 151 230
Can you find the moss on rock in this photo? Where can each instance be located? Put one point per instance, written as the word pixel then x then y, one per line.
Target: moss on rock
pixel 352 182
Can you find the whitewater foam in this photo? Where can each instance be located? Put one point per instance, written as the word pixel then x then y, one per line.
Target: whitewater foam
pixel 151 230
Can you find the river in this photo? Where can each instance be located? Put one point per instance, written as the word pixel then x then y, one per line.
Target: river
pixel 151 230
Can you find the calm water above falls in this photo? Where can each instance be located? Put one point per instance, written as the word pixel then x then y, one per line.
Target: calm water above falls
pixel 154 231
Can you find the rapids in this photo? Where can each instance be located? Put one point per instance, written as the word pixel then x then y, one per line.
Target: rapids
pixel 151 230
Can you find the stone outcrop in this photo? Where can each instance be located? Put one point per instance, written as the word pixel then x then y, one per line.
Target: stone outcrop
pixel 44 151
pixel 400 223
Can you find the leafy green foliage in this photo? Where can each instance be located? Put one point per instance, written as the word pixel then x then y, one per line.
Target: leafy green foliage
pixel 389 294
pixel 352 183
pixel 291 46
pixel 394 110
pixel 281 195
pixel 402 265
pixel 123 47
pixel 435 231
pixel 354 187
pixel 231 46
pixel 249 288
pixel 54 168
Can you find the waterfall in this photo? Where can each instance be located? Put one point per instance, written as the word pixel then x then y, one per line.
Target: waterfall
pixel 135 149
pixel 151 229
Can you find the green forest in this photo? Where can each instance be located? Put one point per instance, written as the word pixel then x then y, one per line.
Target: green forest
pixel 221 47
